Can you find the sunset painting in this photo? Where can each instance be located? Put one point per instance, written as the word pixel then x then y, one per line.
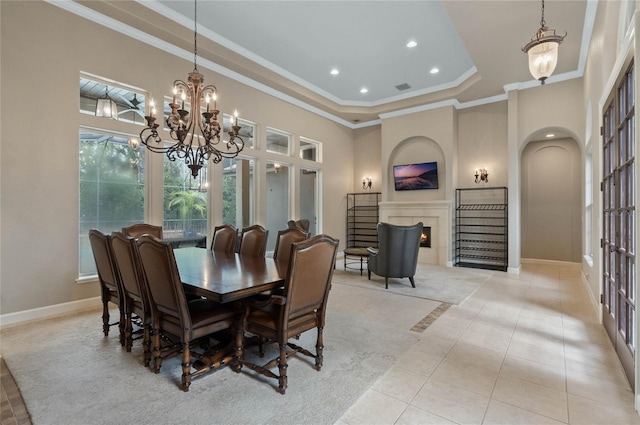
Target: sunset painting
pixel 416 176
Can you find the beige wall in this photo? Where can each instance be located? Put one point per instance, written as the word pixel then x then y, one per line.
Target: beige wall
pixel 367 151
pixel 482 142
pixel 39 133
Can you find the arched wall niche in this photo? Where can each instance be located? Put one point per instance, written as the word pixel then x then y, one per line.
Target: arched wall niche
pixel 551 188
pixel 415 150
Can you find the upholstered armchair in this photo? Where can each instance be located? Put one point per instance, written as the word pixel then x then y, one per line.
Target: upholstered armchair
pixel 397 255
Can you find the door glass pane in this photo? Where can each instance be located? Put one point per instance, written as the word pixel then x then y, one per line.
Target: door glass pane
pixel 237 192
pixel 308 199
pixel 185 204
pixel 111 189
pixel 277 180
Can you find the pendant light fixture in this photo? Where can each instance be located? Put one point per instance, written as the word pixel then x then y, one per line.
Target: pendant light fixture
pixel 106 107
pixel 543 50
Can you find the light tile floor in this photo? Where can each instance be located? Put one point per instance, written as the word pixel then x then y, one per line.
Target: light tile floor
pixel 523 349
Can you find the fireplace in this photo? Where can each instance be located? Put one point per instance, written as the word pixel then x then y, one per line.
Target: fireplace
pixel 434 215
pixel 425 239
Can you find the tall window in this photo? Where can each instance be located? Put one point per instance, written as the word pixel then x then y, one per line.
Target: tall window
pixel 185 204
pixel 111 188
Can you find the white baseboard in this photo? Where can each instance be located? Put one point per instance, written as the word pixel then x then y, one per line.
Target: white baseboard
pixel 551 263
pixel 47 312
pixel 594 302
pixel 513 270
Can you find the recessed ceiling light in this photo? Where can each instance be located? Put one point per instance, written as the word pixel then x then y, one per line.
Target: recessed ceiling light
pixel 434 70
pixel 412 44
pixel 335 71
pixel 364 90
pixel 550 135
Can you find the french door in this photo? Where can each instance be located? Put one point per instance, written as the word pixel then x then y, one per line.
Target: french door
pixel 619 227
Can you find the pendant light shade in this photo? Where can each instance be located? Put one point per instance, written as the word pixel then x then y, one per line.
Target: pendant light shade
pixel 543 59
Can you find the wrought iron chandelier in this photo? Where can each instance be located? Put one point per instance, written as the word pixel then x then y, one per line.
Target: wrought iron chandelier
pixel 185 124
pixel 543 50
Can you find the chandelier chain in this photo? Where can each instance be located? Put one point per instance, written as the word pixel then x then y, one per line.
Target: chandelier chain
pixel 195 34
pixel 542 21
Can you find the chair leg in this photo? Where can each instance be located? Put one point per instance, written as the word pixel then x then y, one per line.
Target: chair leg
pixel 369 274
pixel 412 282
pixel 146 344
pixel 122 326
pixel 386 283
pixel 128 331
pixel 105 317
pixel 261 341
pixel 157 359
pixel 186 367
pixel 282 367
pixel 319 349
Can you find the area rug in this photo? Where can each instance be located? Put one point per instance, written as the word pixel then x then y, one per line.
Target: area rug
pixel 445 284
pixel 69 373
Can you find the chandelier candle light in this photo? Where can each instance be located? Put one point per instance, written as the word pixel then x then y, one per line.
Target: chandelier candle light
pixel 195 149
pixel 543 50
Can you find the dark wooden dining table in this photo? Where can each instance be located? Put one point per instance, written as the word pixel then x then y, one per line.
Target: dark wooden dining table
pixel 224 277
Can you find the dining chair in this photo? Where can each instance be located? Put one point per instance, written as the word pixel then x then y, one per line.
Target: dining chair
pixel 285 239
pixel 253 241
pixel 110 286
pixel 301 307
pixel 397 252
pixel 170 311
pixel 135 291
pixel 303 223
pixel 224 238
pixel 139 229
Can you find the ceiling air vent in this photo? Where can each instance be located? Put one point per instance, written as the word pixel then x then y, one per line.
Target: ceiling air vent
pixel 403 86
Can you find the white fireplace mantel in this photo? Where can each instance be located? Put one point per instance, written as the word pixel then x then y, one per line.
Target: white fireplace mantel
pixel 434 214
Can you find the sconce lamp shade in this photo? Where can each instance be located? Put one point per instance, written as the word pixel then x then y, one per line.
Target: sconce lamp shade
pixel 107 108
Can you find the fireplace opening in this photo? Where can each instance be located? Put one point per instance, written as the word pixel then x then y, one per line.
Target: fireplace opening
pixel 425 239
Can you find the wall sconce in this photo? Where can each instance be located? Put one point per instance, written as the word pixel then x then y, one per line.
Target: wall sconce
pixel 366 183
pixel 482 175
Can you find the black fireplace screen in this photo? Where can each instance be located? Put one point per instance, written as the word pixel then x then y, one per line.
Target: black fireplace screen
pixel 425 240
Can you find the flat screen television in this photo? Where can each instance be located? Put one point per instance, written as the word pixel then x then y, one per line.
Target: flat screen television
pixel 416 176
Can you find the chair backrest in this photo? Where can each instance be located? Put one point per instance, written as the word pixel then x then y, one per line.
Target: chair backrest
pixel 125 251
pixel 253 241
pixel 105 263
pixel 224 238
pixel 398 248
pixel 166 294
pixel 302 223
pixel 309 276
pixel 139 229
pixel 284 240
